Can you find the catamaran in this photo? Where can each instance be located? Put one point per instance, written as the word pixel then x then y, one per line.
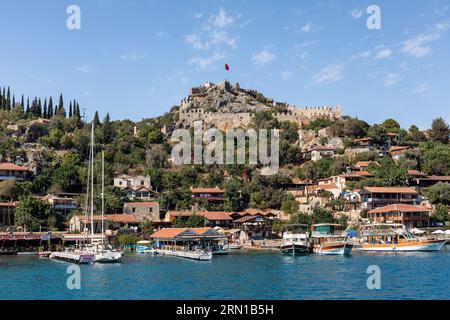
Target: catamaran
pixel 295 239
pixel 329 239
pixel 395 237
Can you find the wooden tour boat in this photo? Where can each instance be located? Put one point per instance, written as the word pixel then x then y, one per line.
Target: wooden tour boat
pixel 295 240
pixel 395 237
pixel 329 239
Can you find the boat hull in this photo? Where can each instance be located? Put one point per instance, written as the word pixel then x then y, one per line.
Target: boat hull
pixel 295 249
pixel 108 257
pixel 410 246
pixel 343 249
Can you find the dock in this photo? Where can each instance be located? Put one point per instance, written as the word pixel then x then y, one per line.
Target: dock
pixel 74 257
pixel 194 255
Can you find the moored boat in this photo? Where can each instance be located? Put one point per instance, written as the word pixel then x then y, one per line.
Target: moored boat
pixel 394 237
pixel 144 247
pixel 295 240
pixel 329 239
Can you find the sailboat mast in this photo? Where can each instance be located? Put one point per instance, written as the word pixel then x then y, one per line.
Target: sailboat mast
pixel 103 194
pixel 92 181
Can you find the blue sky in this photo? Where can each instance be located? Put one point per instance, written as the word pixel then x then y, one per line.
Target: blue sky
pixel 136 59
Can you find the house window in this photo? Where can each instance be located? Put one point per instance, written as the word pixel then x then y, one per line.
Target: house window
pixel 142 182
pixel 120 183
pixel 133 210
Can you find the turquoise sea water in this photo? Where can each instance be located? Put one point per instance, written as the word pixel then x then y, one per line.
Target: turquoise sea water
pixel 235 276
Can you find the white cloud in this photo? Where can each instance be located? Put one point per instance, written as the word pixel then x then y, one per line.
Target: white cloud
pixel 205 62
pixel 287 74
pixel 214 35
pixel 422 88
pixel 391 79
pixel 198 15
pixel 307 27
pixel 383 54
pixel 162 35
pixel 133 56
pixel 330 73
pixel 417 46
pixel 356 13
pixel 84 68
pixel 263 57
pixel 222 19
pixel 443 26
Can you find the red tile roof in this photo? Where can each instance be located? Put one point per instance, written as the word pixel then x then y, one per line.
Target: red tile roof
pixel 8 204
pixel 207 190
pixel 398 148
pixel 390 190
pixel 11 167
pixel 170 233
pixel 416 173
pixel 363 140
pixel 209 215
pixel 399 208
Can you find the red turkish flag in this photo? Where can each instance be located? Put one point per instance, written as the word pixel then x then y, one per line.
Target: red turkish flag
pixel 227 67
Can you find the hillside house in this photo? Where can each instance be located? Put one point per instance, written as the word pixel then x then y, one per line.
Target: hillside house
pixel 411 216
pixel 135 187
pixel 212 218
pixel 144 210
pixel 210 194
pixel 318 152
pixel 111 222
pixel 10 171
pixel 375 197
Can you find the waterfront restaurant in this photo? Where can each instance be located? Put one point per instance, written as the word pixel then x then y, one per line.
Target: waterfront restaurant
pixel 410 216
pixel 254 228
pixel 186 239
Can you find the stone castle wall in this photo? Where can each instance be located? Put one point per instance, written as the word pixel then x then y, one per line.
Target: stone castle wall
pixel 224 120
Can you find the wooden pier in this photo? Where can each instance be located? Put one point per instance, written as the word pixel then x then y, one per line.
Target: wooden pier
pixel 194 255
pixel 74 257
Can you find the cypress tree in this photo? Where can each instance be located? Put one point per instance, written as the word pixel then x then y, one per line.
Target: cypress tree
pixel 96 119
pixel 44 112
pixel 39 108
pixel 22 104
pixel 8 100
pixel 13 105
pixel 50 108
pixel 28 105
pixel 70 109
pixel 61 110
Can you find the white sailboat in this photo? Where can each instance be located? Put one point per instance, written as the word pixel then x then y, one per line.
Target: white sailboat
pixel 104 252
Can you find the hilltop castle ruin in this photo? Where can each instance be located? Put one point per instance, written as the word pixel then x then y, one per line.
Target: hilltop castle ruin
pixel 228 106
